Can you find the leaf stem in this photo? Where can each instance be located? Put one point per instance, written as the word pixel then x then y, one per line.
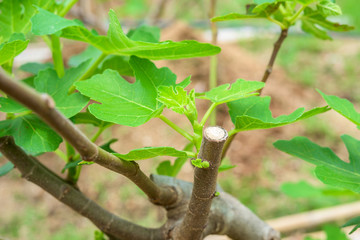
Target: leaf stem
pixel 190 154
pixel 57 55
pixel 277 22
pixel 67 8
pixel 277 46
pixel 228 142
pixel 22 114
pixel 176 128
pixel 98 133
pixel 208 113
pixel 47 40
pixel 61 154
pixel 293 19
pixel 90 70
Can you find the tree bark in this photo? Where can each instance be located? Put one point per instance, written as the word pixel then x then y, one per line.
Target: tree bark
pixel 195 220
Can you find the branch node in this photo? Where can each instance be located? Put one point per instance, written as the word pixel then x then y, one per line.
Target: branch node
pixel 108 225
pixel 29 174
pixel 64 189
pixel 49 102
pixel 85 206
pixel 92 157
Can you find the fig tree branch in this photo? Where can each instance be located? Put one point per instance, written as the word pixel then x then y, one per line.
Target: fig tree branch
pixel 196 216
pixel 32 170
pixel 44 106
pixel 227 215
pixel 277 46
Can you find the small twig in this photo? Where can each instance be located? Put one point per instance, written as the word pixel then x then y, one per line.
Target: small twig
pixel 277 46
pixel 198 210
pixel 35 172
pixel 44 106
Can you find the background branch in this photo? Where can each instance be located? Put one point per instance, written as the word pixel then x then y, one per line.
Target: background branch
pixel 33 171
pixel 44 106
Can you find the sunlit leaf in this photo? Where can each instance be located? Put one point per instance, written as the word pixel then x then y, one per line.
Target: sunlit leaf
pixel 151 152
pixel 330 168
pixel 125 103
pixel 254 113
pixel 227 93
pixel 116 42
pixel 342 106
pixel 31 133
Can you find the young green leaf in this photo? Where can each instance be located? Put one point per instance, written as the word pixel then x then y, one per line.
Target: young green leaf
pixel 47 81
pixel 31 134
pixel 6 168
pixel 342 106
pixel 90 52
pixel 239 89
pixel 175 99
pixel 196 163
pixel 10 49
pixel 334 232
pixel 266 9
pixel 106 146
pixel 145 34
pixel 34 67
pixel 354 221
pixel 118 63
pixel 235 16
pixel 306 2
pixel 165 167
pixel 301 189
pixel 15 15
pixel 125 103
pixel 254 113
pixel 116 42
pixel 70 165
pixel 47 23
pixel 328 8
pixel 330 168
pixel 9 105
pixel 225 167
pixel 88 118
pixel 312 19
pixel 151 152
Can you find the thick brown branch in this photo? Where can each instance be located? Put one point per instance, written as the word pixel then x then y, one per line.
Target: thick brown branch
pixel 44 106
pixel 33 171
pixel 227 215
pixel 198 210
